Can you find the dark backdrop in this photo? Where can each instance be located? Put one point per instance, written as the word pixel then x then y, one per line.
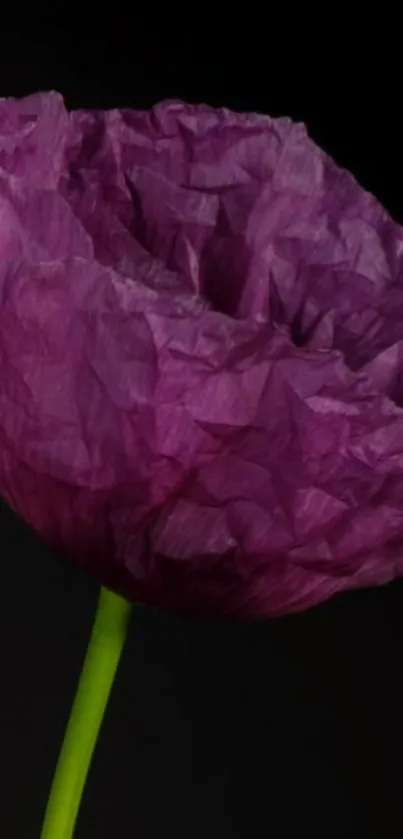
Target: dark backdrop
pixel 214 729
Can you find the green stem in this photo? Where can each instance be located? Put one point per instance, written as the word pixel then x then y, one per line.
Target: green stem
pixel 103 654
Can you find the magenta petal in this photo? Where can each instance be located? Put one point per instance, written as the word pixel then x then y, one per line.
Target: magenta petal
pixel 201 356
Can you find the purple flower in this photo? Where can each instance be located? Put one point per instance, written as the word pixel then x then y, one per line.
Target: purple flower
pixel 201 356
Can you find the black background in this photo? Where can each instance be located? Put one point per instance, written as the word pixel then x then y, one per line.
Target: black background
pixel 214 729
